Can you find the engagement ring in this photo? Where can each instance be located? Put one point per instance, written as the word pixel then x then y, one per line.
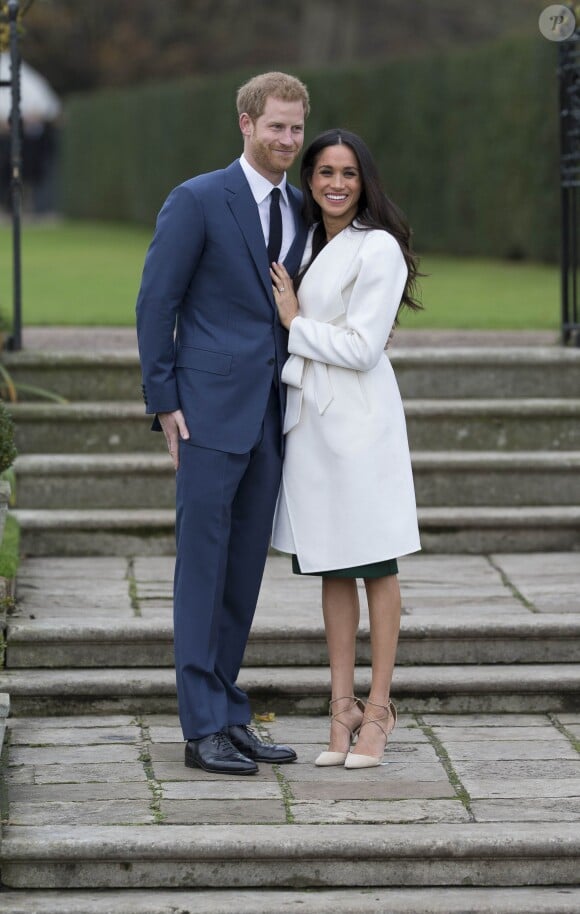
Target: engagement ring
pixel 280 288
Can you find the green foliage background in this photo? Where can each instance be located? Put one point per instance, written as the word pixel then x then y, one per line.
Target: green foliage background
pixel 466 142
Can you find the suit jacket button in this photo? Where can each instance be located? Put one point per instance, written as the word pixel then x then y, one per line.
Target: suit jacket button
pixel 271 361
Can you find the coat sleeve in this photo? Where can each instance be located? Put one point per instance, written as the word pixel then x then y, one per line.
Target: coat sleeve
pixel 381 273
pixel 170 263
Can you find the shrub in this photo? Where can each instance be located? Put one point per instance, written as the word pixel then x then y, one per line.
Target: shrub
pixel 466 142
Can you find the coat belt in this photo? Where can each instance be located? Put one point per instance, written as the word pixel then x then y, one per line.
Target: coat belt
pixel 293 375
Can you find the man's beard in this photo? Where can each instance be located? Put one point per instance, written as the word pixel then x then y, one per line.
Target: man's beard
pixel 263 156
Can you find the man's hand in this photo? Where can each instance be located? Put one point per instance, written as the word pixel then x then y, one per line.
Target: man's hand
pixel 174 428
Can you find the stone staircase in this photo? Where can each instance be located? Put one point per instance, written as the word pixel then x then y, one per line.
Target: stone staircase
pixel 495 438
pixel 475 811
pixel 489 647
pixel 479 634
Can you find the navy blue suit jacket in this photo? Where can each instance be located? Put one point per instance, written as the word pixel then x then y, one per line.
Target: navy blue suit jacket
pixel 209 335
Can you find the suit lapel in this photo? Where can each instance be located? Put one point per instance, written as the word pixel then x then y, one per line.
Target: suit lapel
pixel 243 206
pixel 244 210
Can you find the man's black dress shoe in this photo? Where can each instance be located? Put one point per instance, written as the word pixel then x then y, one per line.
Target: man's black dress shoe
pixel 247 742
pixel 216 753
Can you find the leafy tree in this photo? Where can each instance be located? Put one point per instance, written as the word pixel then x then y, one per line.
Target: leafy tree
pixel 97 43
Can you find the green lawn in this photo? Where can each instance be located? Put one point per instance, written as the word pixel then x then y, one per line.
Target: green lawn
pixel 89 273
pixel 9 548
pixel 76 273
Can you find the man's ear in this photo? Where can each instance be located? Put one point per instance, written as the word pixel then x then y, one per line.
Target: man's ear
pixel 245 124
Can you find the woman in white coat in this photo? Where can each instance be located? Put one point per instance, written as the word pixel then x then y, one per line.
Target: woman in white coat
pixel 346 508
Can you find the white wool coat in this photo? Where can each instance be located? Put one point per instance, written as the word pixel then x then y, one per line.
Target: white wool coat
pixel 347 495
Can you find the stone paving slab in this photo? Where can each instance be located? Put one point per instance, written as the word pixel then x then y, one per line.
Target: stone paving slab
pixel 97 812
pixel 71 755
pixel 78 722
pixel 532 809
pixel 220 812
pixel 72 735
pixel 510 769
pixel 71 793
pixel 400 812
pixel 255 788
pixel 106 567
pixel 525 787
pixel 76 774
pixel 175 771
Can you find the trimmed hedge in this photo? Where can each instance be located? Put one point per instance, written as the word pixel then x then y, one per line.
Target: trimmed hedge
pixel 467 143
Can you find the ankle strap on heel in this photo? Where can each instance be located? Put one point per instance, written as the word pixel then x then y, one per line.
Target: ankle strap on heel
pixel 354 702
pixel 390 713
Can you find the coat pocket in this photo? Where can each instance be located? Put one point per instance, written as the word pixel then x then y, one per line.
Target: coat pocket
pixel 204 360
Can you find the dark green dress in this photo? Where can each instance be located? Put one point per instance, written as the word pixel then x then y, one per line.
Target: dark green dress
pixel 374 570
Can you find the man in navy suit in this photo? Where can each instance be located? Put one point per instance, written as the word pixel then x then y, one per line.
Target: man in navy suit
pixel 212 349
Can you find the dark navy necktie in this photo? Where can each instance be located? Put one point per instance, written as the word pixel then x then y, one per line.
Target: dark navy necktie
pixel 275 239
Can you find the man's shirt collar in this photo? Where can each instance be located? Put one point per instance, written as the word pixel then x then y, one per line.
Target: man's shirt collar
pixel 259 185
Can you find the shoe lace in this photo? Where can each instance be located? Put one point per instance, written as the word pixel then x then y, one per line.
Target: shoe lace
pixel 222 741
pixel 252 734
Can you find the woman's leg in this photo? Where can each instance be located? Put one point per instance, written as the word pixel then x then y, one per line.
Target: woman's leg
pixel 341 611
pixel 384 599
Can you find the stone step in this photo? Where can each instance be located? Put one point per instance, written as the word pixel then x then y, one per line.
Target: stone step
pixel 83 375
pixel 442 479
pixel 453 689
pixel 106 427
pixel 433 424
pixel 446 900
pixel 268 856
pixel 531 638
pixel 522 371
pixel 489 372
pixel 443 530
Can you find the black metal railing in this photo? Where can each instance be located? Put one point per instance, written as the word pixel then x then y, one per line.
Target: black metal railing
pixel 569 84
pixel 15 340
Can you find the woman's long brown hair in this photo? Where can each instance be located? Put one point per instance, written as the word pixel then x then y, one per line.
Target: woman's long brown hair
pixel 375 210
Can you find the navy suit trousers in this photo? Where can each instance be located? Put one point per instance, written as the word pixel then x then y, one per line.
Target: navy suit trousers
pixel 225 505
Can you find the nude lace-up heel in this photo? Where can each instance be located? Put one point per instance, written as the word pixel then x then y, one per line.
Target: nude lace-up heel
pixel 386 723
pixel 325 759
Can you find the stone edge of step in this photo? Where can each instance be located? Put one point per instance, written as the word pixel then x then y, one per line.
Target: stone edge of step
pixel 536 626
pixel 136 518
pixel 431 900
pixel 414 355
pixel 152 462
pixel 347 842
pixel 414 407
pixel 300 681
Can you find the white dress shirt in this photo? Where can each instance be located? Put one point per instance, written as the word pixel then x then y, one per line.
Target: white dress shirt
pixel 261 189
